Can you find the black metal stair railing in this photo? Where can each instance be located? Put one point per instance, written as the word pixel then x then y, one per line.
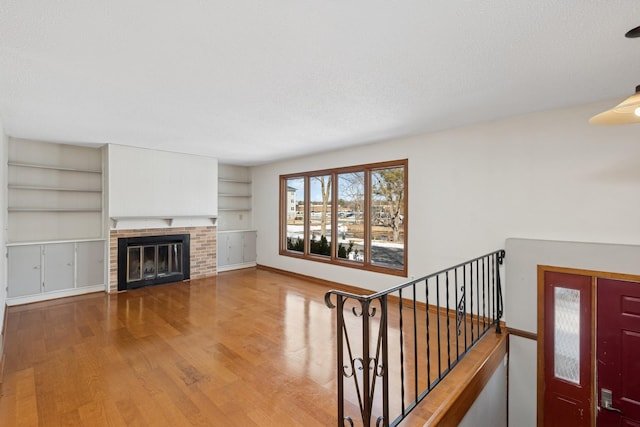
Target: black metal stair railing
pixel 403 341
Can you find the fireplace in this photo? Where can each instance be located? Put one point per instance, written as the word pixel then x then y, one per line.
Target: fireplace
pixel 152 260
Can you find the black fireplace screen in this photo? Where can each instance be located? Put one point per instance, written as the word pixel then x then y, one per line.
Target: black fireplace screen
pixel 152 260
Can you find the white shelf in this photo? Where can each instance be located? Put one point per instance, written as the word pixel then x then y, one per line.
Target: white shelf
pixel 236 181
pixel 167 218
pixel 14 209
pixel 49 242
pixel 234 195
pixel 58 168
pixel 234 209
pixel 35 187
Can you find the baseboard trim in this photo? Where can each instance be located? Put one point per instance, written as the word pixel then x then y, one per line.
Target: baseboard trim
pixel 339 286
pixel 236 266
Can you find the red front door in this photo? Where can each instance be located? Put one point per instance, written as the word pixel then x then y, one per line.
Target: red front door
pixel 567 350
pixel 618 353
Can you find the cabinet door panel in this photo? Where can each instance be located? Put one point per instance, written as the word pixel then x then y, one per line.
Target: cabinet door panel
pixel 24 271
pixel 235 248
pixel 223 250
pixel 249 246
pixel 90 267
pixel 58 266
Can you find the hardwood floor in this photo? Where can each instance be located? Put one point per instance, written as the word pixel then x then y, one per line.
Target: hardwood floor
pixel 245 348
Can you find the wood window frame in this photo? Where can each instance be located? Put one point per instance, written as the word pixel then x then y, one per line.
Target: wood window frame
pixel 367 264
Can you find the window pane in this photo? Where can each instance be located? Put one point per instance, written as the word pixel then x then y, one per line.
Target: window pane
pixel 320 215
pixel 567 334
pixel 351 216
pixel 295 214
pixel 387 217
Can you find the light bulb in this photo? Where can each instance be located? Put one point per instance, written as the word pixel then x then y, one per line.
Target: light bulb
pixel 637 112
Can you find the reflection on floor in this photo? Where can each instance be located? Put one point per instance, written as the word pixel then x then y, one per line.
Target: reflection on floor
pixel 246 348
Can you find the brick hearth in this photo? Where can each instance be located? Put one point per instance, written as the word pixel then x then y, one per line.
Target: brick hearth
pixel 202 246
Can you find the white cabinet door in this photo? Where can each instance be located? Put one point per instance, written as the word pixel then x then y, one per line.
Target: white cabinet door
pixel 223 249
pixel 90 263
pixel 24 271
pixel 249 253
pixel 235 246
pixel 236 249
pixel 58 266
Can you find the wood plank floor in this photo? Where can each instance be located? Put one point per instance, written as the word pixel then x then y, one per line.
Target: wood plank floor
pixel 245 348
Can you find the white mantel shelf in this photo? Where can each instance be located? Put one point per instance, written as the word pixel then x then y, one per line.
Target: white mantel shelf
pixel 168 219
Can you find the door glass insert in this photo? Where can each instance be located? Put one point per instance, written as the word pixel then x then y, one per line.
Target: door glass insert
pixel 567 334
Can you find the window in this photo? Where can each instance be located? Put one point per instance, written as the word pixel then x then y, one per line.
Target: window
pixel 566 358
pixel 355 216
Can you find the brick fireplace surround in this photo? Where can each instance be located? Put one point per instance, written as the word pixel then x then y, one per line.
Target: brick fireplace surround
pixel 202 246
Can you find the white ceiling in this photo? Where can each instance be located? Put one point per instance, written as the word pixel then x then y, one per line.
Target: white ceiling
pixel 254 81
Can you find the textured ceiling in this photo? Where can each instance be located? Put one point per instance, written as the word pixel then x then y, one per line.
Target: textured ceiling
pixel 254 81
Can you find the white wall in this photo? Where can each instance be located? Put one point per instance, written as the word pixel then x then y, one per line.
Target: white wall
pixel 547 175
pixel 522 382
pixel 490 407
pixel 151 183
pixel 523 258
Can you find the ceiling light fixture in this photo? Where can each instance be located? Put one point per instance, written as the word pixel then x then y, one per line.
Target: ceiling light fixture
pixel 628 111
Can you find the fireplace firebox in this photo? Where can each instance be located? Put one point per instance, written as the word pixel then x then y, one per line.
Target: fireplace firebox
pixel 152 260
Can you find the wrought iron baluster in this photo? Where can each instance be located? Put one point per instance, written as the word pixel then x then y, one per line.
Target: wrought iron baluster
pixel 458 317
pixel 428 336
pixel 488 299
pixel 471 302
pixel 401 354
pixel 478 296
pixel 340 352
pixel 493 288
pixel 367 401
pixel 438 322
pixel 464 303
pixel 484 311
pixel 415 343
pixel 501 255
pixel 384 314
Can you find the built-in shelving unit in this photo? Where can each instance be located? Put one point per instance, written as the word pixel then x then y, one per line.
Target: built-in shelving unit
pixel 55 236
pixel 234 195
pixel 234 198
pixel 54 192
pixel 236 237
